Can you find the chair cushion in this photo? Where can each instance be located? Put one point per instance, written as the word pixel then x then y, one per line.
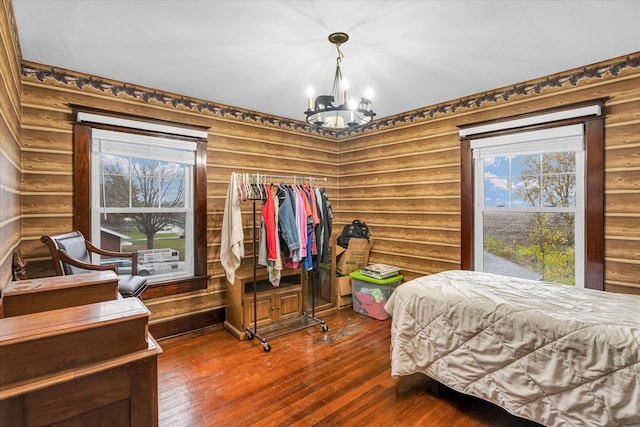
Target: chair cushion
pixel 131 286
pixel 76 248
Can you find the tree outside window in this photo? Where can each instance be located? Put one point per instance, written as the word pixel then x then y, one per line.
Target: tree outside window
pixel 538 198
pixel 142 192
pixel 135 182
pixel 542 242
pixel 530 203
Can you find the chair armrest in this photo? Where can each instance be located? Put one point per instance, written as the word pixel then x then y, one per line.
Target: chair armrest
pixel 132 255
pixel 92 248
pixel 64 256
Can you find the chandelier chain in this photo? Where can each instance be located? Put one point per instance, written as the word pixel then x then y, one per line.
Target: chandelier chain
pixel 337 79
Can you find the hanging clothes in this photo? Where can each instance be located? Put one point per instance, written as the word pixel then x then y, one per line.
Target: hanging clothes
pixel 303 214
pixel 232 236
pixel 295 225
pixel 288 230
pixel 315 219
pixel 288 227
pixel 307 261
pixel 326 224
pixel 319 230
pixel 269 216
pixel 295 256
pixel 269 253
pixel 274 267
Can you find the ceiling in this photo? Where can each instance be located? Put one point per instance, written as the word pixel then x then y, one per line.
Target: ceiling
pixel 262 55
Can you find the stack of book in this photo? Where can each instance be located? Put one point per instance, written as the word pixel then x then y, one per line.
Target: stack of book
pixel 380 271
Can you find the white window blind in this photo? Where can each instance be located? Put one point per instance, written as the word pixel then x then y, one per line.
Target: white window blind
pixel 589 110
pixel 565 138
pixel 163 149
pixel 136 124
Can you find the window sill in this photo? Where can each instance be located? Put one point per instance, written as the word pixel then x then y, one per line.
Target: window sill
pixel 174 287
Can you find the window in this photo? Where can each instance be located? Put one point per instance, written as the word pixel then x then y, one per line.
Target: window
pixel 140 184
pixel 529 213
pixel 142 193
pixel 536 178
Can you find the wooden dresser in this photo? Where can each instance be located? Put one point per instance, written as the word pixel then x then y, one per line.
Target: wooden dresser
pixel 92 364
pixel 50 293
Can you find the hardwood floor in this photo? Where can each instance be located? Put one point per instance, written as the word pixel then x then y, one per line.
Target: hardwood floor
pixel 337 378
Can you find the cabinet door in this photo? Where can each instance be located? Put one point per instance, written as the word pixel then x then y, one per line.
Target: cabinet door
pixel 289 303
pixel 265 312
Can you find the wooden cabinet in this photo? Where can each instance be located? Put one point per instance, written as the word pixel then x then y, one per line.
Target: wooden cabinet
pixel 272 303
pixel 273 306
pixel 92 364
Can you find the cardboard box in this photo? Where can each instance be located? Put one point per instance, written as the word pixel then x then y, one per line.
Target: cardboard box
pixel 344 285
pixel 343 297
pixel 354 257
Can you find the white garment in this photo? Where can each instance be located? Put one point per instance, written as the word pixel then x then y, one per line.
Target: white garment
pixel 232 244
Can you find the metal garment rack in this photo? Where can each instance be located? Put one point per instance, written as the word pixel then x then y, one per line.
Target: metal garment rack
pixel 289 325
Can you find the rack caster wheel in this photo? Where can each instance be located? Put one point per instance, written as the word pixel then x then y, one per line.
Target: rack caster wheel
pixel 325 328
pixel 249 336
pixel 266 347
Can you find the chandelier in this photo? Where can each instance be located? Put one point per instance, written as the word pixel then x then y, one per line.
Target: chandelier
pixel 351 113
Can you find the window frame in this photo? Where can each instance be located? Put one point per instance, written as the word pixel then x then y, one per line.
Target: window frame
pixel 593 181
pixel 522 143
pixel 82 188
pixel 126 147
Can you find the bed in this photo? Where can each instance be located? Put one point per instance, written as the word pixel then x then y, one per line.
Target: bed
pixel 554 354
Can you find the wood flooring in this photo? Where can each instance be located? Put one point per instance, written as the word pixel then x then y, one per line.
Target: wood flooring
pixel 309 378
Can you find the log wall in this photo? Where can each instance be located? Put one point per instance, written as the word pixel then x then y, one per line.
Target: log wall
pixel 10 140
pixel 401 176
pixel 238 140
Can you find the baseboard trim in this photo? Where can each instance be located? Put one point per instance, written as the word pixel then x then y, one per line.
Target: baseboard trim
pixel 174 287
pixel 187 323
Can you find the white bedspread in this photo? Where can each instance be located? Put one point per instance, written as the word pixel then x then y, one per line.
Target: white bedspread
pixel 551 353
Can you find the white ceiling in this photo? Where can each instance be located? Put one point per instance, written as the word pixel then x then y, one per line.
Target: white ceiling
pixel 262 55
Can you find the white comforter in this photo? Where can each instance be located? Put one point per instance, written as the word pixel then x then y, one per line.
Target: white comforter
pixel 551 353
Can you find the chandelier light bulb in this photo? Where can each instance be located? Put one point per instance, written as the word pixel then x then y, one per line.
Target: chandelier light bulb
pixel 368 93
pixel 353 105
pixel 345 86
pixel 310 93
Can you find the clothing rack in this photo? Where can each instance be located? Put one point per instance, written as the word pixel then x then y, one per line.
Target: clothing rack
pixel 293 178
pixel 288 325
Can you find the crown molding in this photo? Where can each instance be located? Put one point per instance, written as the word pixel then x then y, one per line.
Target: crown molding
pixel 612 68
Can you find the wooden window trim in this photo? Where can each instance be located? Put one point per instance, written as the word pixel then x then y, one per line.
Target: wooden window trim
pixel 594 196
pixel 82 198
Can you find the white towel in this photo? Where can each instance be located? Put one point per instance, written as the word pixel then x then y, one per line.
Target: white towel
pixel 232 244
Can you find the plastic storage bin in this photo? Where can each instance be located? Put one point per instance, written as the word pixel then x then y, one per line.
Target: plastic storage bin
pixel 370 295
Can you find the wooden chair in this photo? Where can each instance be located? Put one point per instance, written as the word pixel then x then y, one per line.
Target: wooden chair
pixel 71 254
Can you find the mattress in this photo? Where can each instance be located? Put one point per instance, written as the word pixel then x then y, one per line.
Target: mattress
pixel 555 354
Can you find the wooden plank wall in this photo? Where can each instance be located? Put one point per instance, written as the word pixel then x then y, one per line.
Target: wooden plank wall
pixel 10 137
pixel 403 177
pixel 238 141
pixel 405 184
pixel 622 187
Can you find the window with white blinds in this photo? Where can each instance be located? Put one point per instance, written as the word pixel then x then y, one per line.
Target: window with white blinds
pixel 142 194
pixel 529 204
